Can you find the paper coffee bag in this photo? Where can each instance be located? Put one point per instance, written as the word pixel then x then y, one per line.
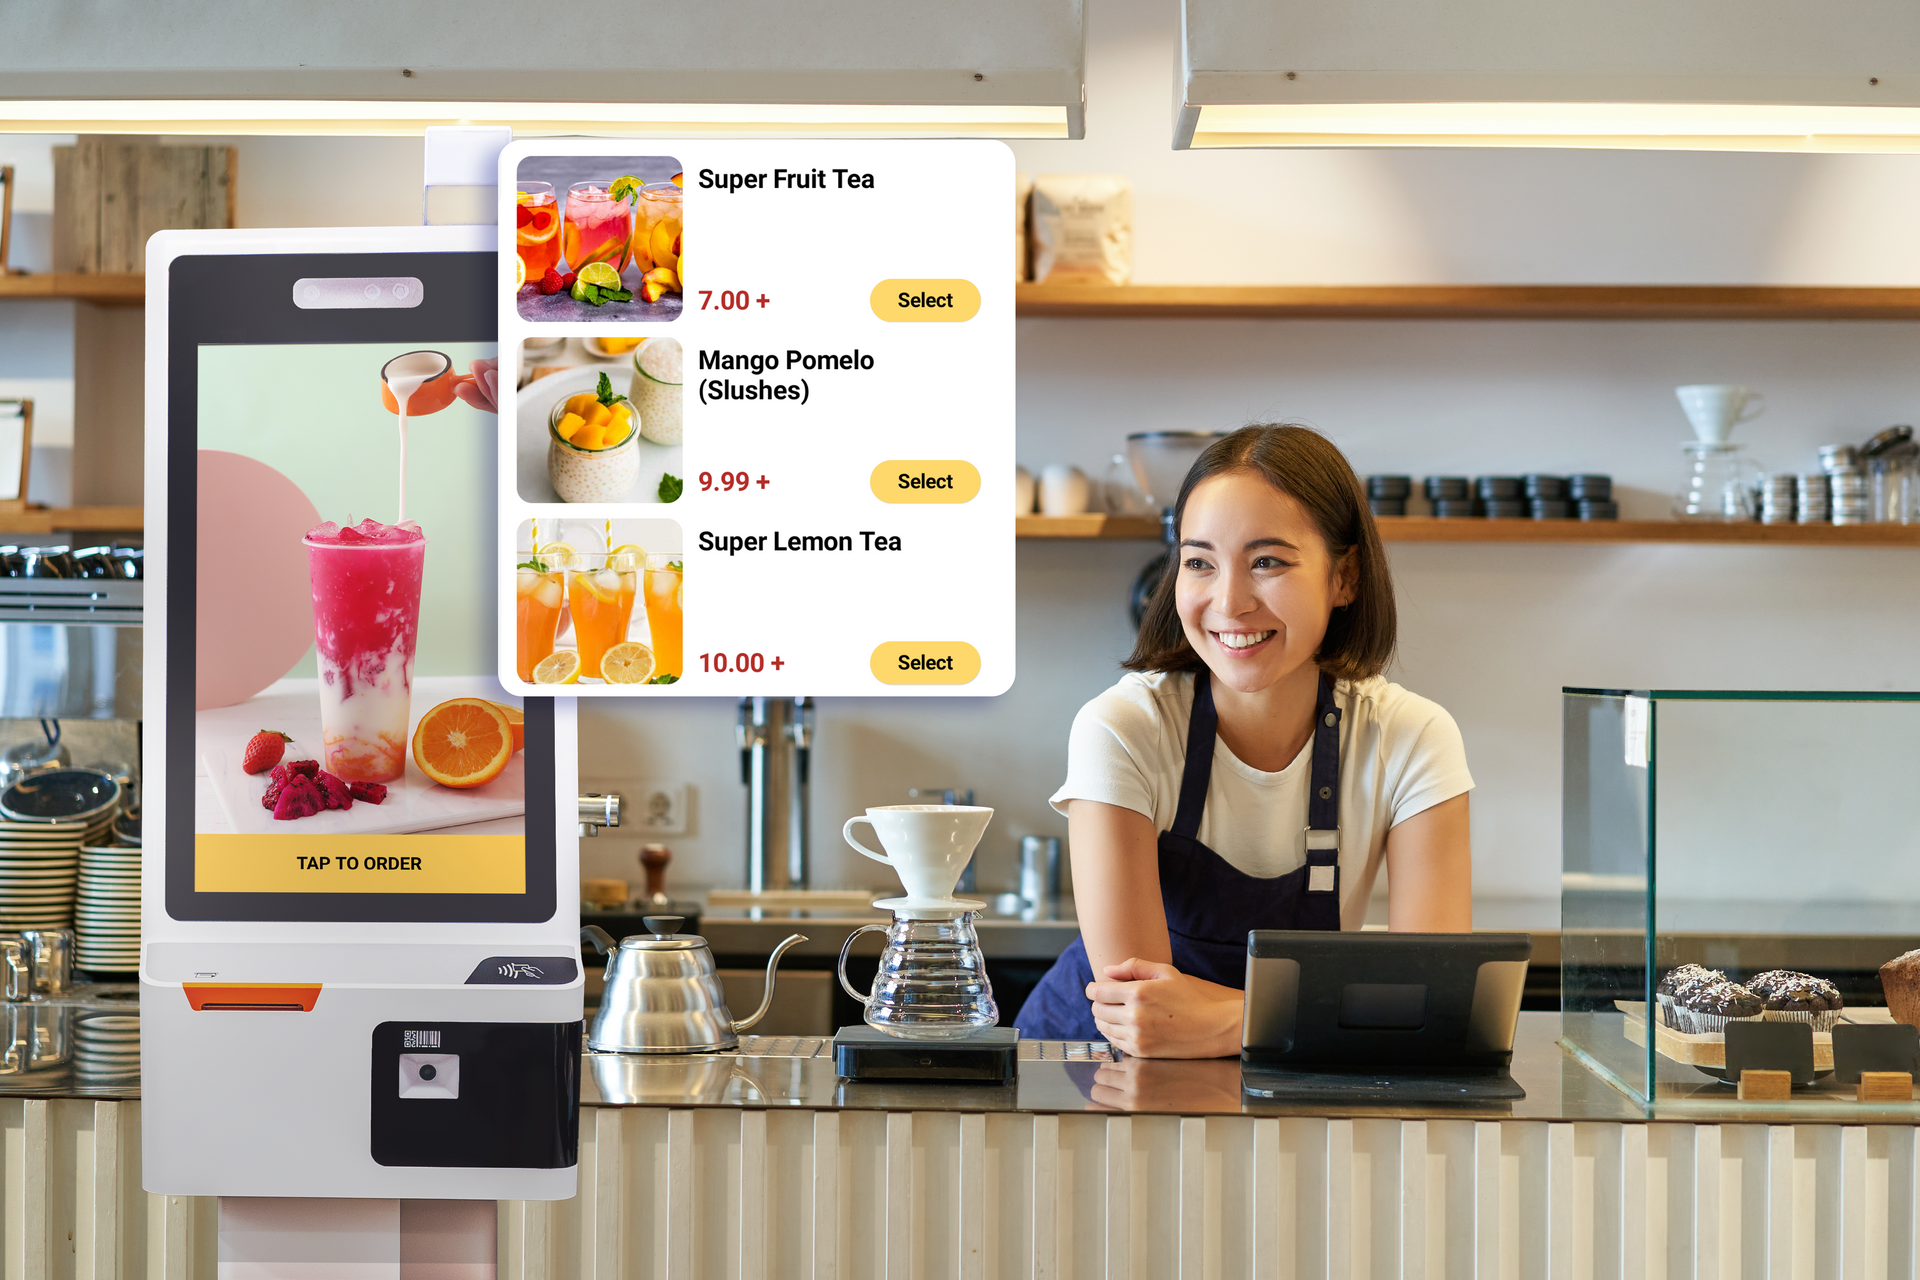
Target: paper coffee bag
pixel 1082 228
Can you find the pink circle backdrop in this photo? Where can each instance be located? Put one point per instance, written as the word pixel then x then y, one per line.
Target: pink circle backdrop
pixel 255 606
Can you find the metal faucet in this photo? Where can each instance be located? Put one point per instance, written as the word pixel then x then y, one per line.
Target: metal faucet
pixel 597 811
pixel 776 754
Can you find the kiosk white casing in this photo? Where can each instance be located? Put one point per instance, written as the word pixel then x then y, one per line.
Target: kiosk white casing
pixel 262 1087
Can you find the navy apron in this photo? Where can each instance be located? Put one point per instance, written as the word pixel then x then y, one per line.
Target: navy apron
pixel 1212 904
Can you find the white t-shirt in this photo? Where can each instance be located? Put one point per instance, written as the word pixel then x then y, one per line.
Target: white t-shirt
pixel 1399 755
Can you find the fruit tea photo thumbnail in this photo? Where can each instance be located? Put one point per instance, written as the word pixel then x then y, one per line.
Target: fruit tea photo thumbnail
pixel 598 239
pixel 599 420
pixel 598 603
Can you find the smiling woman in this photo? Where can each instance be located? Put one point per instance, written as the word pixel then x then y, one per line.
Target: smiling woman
pixel 1255 771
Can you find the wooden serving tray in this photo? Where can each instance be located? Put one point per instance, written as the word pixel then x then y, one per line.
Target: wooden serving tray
pixel 1711 1050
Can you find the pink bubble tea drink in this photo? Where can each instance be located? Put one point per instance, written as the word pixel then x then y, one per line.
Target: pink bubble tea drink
pixel 366 622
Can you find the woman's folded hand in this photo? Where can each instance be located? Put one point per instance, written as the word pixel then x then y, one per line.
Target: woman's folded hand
pixel 1152 1010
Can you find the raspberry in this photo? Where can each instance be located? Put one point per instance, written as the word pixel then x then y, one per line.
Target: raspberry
pixel 371 792
pixel 551 282
pixel 524 216
pixel 566 281
pixel 299 799
pixel 334 792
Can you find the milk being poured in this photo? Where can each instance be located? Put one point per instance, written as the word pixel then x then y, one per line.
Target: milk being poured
pixel 404 376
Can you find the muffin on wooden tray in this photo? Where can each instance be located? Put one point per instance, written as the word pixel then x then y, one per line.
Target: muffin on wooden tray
pixel 1706 1010
pixel 1900 979
pixel 1680 980
pixel 1797 997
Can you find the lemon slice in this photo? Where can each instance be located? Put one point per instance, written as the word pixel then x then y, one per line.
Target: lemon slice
pixel 519 271
pixel 601 275
pixel 628 662
pixel 562 666
pixel 627 558
pixel 558 555
pixel 585 578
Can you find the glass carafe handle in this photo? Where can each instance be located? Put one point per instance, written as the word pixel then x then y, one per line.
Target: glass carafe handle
pixel 841 968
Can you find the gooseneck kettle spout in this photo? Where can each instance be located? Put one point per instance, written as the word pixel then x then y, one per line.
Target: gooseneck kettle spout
pixel 766 996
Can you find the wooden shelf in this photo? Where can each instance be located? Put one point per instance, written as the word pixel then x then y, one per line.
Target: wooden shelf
pixel 73 520
pixel 1471 302
pixel 108 290
pixel 1428 529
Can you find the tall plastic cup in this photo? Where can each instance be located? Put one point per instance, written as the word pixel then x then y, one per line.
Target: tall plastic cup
pixel 366 623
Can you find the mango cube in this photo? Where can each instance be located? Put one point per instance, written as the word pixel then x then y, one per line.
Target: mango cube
pixel 568 426
pixel 599 416
pixel 581 403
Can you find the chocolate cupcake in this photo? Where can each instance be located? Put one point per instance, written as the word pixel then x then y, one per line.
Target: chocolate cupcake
pixel 1797 997
pixel 1680 980
pixel 1707 1010
pixel 1900 979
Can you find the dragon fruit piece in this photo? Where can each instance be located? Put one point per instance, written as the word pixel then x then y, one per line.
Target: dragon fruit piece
pixel 299 799
pixel 371 792
pixel 276 783
pixel 308 769
pixel 334 792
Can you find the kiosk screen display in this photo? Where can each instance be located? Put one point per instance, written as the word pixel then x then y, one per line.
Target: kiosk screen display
pixel 331 599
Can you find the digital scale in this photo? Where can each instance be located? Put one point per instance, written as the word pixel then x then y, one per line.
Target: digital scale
pixel 991 1056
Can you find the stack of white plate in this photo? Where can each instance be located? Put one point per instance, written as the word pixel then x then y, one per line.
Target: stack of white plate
pixel 106 910
pixel 106 1044
pixel 37 864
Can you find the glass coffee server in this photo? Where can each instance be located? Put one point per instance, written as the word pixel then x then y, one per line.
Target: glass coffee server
pixel 1768 838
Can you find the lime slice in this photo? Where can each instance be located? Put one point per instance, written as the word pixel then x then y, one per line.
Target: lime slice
pixel 600 274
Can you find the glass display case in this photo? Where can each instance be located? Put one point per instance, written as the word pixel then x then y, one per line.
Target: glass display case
pixel 1748 833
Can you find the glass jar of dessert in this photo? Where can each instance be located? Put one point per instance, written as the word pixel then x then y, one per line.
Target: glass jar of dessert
pixel 598 463
pixel 656 390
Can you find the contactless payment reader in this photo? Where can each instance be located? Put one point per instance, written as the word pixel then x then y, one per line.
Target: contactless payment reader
pixel 359 972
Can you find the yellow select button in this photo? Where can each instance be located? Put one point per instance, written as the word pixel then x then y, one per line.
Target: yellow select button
pixel 925 301
pixel 926 662
pixel 925 480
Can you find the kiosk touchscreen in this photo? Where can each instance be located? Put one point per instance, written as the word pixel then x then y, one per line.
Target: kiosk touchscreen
pixel 360 973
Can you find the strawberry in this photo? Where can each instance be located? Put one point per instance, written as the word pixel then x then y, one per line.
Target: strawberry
pixel 551 282
pixel 263 751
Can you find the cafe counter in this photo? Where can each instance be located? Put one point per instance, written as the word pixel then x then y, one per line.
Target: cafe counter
pixel 763 1162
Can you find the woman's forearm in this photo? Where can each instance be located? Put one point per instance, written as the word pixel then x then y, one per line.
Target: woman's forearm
pixel 1430 871
pixel 1116 884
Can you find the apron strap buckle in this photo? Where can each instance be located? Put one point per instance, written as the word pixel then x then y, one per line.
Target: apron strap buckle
pixel 1329 839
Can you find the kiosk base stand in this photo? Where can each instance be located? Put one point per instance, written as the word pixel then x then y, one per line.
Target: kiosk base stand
pixel 990 1056
pixel 300 1239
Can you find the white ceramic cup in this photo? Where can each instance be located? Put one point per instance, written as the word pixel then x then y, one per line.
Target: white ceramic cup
pixel 1023 492
pixel 1064 490
pixel 1715 409
pixel 927 845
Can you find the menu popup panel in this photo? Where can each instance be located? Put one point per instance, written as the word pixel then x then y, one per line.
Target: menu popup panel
pixel 813 417
pixel 359 971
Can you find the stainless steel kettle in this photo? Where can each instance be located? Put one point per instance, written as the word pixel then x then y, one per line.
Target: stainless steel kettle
pixel 663 993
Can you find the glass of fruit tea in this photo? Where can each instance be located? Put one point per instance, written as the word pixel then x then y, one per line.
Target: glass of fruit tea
pixel 540 592
pixel 598 228
pixel 663 597
pixel 601 587
pixel 537 230
pixel 656 227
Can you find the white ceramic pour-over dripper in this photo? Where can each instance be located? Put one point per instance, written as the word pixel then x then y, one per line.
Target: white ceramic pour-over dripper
pixel 1715 409
pixel 927 845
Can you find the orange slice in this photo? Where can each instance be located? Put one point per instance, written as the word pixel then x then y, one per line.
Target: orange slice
pixel 543 220
pixel 463 743
pixel 518 719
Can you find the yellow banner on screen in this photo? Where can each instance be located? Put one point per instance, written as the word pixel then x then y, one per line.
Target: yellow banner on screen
pixel 360 864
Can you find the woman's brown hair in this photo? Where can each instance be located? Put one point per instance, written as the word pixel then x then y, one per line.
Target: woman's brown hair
pixel 1304 465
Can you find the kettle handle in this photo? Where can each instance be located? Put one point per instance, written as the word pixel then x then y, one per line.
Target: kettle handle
pixel 841 968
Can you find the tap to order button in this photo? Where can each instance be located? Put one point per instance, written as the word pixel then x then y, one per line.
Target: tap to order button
pixel 925 480
pixel 925 301
pixel 926 662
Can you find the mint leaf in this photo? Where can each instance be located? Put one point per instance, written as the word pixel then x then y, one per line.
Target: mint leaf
pixel 670 486
pixel 676 566
pixel 664 680
pixel 604 392
pixel 535 565
pixel 623 188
